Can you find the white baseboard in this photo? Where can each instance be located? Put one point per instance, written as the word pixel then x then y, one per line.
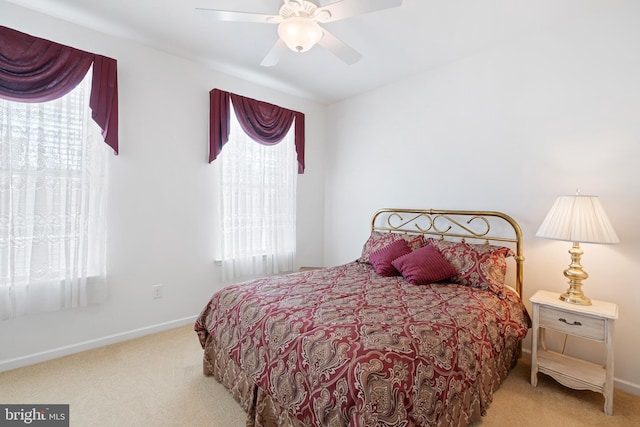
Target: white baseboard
pixel 19 362
pixel 619 384
pixel 626 386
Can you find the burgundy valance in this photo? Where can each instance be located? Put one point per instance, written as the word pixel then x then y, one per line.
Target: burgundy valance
pixel 266 123
pixel 38 70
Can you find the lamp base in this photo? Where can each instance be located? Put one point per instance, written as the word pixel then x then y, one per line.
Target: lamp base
pixel 576 275
pixel 575 298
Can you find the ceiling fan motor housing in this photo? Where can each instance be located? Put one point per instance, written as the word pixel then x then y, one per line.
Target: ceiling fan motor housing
pixel 297 8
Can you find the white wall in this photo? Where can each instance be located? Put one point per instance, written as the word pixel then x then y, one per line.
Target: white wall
pixel 509 129
pixel 160 207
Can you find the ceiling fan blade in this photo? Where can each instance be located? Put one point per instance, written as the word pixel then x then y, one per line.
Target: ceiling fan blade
pixel 274 54
pixel 339 48
pixel 348 8
pixel 227 15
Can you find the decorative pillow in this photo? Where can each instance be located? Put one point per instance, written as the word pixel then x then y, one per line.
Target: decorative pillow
pixel 381 259
pixel 477 265
pixel 423 266
pixel 375 242
pixel 378 240
pixel 414 241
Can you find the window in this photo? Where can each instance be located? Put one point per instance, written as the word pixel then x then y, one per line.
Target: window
pixel 52 204
pixel 257 204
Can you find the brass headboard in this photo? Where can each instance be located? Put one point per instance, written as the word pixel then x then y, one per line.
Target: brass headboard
pixel 472 226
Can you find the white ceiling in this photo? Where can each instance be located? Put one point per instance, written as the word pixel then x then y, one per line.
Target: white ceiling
pixel 395 43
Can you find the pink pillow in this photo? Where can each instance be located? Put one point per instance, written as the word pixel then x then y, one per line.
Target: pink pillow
pixel 477 265
pixel 424 266
pixel 378 240
pixel 381 259
pixel 375 242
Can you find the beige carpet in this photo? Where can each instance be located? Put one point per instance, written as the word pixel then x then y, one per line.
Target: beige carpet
pixel 157 381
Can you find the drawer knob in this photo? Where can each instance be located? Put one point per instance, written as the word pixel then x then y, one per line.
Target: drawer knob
pixel 563 320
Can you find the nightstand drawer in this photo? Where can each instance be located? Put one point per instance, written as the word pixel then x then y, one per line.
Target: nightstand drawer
pixel 572 323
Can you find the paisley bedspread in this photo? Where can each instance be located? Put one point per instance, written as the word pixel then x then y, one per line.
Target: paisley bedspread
pixel 345 347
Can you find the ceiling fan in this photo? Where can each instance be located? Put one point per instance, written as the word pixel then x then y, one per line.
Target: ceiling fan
pixel 299 25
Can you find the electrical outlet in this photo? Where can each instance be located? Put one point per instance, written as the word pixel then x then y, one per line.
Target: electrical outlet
pixel 157 291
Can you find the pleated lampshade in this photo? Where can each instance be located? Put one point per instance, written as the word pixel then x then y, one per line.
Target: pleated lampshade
pixel 578 218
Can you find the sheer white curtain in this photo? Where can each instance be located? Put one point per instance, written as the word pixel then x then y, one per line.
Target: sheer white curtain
pixel 52 205
pixel 256 205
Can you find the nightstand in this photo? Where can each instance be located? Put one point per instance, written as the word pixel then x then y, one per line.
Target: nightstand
pixel 593 322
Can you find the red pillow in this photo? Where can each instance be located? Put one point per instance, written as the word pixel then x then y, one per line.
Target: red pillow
pixel 423 266
pixel 375 242
pixel 378 240
pixel 414 242
pixel 477 265
pixel 381 259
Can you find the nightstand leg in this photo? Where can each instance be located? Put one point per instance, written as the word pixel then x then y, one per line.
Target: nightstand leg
pixel 608 385
pixel 534 347
pixel 608 403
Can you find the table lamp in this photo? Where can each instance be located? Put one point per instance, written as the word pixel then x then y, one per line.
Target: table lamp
pixel 577 219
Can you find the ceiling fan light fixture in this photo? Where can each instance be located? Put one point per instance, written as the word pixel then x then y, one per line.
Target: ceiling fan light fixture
pixel 300 33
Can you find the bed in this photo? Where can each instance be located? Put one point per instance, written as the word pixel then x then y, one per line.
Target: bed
pixel 419 330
